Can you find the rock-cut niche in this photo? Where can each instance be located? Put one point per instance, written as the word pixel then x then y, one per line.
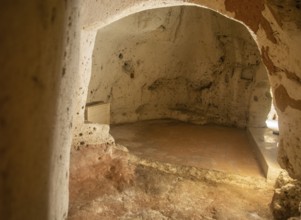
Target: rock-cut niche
pixel 185 63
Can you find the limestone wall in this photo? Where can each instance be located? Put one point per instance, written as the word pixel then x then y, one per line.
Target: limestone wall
pixel 275 26
pixel 38 71
pixel 186 63
pixel 39 57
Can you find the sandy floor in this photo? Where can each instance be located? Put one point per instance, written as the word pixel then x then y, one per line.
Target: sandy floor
pixel 211 147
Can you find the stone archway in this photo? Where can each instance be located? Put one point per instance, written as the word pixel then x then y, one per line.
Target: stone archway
pixel 265 28
pixel 181 62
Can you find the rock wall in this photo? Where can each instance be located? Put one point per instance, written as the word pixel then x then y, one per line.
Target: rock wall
pixel 274 25
pixel 286 200
pixel 39 57
pixel 186 63
pixel 38 71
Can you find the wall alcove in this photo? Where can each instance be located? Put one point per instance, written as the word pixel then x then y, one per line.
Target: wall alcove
pixel 183 63
pixel 186 63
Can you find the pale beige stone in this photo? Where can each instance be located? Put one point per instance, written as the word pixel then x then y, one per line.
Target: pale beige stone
pixel 98 113
pixel 46 66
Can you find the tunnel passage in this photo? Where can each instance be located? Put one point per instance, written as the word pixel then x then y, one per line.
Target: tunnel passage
pixel 182 63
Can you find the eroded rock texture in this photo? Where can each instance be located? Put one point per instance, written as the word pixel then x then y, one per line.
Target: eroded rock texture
pixel 146 66
pixel 185 63
pixel 118 74
pixel 287 198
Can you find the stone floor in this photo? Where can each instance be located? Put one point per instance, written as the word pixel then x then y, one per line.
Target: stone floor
pixel 210 146
pixel 105 183
pixel 171 170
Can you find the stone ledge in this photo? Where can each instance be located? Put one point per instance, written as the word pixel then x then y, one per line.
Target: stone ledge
pixel 266 149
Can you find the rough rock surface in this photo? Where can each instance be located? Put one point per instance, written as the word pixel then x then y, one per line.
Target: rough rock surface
pixel 106 183
pixel 46 48
pixel 186 63
pixel 287 198
pixel 275 25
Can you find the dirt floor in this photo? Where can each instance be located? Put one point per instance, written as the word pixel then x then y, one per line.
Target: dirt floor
pixel 107 182
pixel 211 147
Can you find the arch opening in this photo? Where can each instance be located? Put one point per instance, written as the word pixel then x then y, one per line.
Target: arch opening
pixel 210 62
pixel 164 74
pixel 183 63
